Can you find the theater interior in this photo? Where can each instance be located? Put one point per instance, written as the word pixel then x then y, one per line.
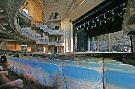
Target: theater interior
pixel 67 44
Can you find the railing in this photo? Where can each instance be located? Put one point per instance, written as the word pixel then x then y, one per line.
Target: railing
pixel 50 30
pixel 55 32
pixel 26 15
pixel 27 31
pixel 42 41
pixel 56 43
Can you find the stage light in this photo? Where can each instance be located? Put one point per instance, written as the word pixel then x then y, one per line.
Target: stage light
pixel 88 23
pixel 112 19
pixel 79 26
pixel 124 4
pixel 108 18
pixel 100 23
pixel 97 18
pixel 84 25
pixel 112 11
pixel 92 21
pixel 76 28
pixel 87 28
pixel 95 25
pixel 104 16
pixel 91 26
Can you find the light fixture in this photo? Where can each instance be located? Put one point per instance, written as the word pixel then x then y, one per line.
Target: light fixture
pixel 92 21
pixel 100 23
pixel 76 28
pixel 97 18
pixel 112 11
pixel 95 25
pixel 84 25
pixel 112 19
pixel 88 23
pixel 91 26
pixel 104 16
pixel 87 28
pixel 124 4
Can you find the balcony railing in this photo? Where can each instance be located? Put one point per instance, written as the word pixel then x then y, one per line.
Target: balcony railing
pixel 27 31
pixel 56 43
pixel 55 32
pixel 42 41
pixel 50 30
pixel 26 15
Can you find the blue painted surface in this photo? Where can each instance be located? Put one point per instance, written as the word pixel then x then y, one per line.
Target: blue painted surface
pixel 120 78
pixel 50 68
pixel 117 74
pixel 81 73
pixel 91 64
pixel 121 67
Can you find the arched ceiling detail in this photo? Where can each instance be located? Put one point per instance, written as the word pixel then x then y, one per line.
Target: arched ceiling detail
pixel 72 9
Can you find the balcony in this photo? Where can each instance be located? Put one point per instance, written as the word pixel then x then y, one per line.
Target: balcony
pixel 42 41
pixel 26 15
pixel 55 32
pixel 50 30
pixel 56 43
pixel 27 31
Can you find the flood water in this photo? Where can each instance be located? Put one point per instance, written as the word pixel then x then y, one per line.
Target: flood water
pixel 87 73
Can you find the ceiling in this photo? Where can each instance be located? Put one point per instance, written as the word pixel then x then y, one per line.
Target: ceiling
pixel 72 9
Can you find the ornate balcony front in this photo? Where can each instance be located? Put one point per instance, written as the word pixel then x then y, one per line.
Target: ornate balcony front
pixel 56 43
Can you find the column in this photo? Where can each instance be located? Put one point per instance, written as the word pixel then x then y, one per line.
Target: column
pixel 66 27
pixel 97 44
pixel 133 43
pixel 71 49
pixel 109 42
pixel 88 43
pixel 44 49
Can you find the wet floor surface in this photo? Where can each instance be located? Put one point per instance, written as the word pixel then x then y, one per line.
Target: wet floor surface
pixel 28 84
pixel 69 74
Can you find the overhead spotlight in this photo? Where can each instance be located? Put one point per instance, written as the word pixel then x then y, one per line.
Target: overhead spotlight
pixel 109 18
pixel 121 13
pixel 95 25
pixel 100 23
pixel 87 28
pixel 112 19
pixel 124 8
pixel 92 21
pixel 104 16
pixel 112 11
pixel 88 23
pixel 80 26
pixel 97 18
pixel 84 25
pixel 77 28
pixel 91 26
pixel 124 4
pixel 1 10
